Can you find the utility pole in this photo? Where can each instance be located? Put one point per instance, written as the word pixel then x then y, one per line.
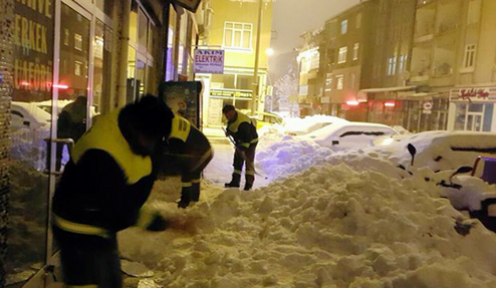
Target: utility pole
pixel 257 56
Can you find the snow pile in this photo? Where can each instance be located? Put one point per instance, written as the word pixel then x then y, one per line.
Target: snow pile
pixel 280 156
pixel 329 226
pixel 472 192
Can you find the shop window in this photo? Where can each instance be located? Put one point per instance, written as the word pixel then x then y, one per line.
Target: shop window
pixel 107 6
pixel 133 26
pixel 343 52
pixel 102 51
pixel 237 35
pixel 143 30
pixel 461 115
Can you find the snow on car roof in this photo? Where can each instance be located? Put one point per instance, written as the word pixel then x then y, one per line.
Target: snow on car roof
pixel 325 132
pixel 32 109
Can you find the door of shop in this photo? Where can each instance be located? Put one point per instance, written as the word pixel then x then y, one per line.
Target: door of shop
pixel 49 113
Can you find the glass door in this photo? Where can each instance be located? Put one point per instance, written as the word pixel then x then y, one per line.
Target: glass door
pixel 49 114
pixel 31 125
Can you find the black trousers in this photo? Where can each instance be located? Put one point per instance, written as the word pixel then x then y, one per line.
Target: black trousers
pixel 89 260
pixel 240 161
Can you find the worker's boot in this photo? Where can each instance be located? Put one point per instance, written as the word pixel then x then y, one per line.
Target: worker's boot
pixel 249 182
pixel 195 192
pixel 236 178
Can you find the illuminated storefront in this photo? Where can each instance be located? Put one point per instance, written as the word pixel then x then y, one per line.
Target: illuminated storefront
pixel 472 109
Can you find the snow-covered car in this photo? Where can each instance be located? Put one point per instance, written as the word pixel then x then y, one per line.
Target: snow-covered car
pixel 302 126
pixel 439 150
pixel 29 115
pixel 349 135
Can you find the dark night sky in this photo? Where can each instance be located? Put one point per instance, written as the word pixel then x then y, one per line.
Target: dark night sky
pixel 291 19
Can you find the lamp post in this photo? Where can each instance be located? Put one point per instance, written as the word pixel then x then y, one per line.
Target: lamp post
pixel 256 86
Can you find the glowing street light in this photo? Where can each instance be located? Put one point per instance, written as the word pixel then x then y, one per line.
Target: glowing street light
pixel 269 51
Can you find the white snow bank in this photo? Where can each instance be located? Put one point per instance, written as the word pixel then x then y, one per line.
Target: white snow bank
pixel 329 226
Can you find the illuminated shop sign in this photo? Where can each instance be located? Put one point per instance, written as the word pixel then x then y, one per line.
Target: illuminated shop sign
pixel 33 52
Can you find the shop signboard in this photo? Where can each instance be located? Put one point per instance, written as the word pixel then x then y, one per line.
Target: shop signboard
pixel 473 94
pixel 33 42
pixel 190 5
pixel 209 61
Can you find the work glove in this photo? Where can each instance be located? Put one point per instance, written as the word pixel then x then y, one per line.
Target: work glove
pixel 185 198
pixel 158 224
pixel 151 220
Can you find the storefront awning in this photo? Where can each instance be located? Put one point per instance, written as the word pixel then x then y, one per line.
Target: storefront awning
pixel 362 94
pixel 190 5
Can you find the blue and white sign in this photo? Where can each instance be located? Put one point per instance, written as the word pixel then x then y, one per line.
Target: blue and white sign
pixel 209 61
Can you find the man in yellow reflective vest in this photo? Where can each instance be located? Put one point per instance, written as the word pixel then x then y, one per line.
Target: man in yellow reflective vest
pixel 103 189
pixel 244 132
pixel 186 153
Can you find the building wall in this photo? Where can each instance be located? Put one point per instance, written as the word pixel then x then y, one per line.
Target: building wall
pixel 246 12
pixel 6 83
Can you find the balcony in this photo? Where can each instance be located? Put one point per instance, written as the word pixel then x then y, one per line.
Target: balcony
pixel 445 28
pixel 420 79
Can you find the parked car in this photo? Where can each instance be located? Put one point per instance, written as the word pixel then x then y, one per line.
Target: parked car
pixel 29 115
pixel 264 119
pixel 302 126
pixel 349 135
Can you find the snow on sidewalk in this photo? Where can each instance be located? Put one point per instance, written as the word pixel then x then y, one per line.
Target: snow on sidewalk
pixel 329 226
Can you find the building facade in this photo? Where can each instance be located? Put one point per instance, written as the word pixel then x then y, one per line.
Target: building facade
pixel 85 58
pixel 234 29
pixel 473 96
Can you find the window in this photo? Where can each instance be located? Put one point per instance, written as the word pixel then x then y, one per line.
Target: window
pixel 474 8
pixel 391 66
pixel 352 81
pixel 77 68
pixel 237 35
pixel 78 42
pixel 359 21
pixel 469 60
pixel 355 51
pixel 340 82
pixel 402 65
pixel 343 51
pixel 66 36
pixel 344 27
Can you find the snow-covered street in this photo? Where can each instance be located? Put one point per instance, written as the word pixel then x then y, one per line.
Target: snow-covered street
pixel 319 219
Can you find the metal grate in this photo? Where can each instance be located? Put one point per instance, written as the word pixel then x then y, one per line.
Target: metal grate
pixel 6 86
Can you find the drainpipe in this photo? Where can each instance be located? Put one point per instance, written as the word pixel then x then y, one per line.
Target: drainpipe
pixel 124 44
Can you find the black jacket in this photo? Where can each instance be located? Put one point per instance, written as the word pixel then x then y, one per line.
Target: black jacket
pixel 243 129
pixel 104 184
